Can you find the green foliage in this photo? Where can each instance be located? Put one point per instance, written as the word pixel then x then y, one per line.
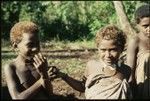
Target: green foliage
pixel 32 11
pixel 9 16
pixel 131 6
pixel 102 16
pixel 63 20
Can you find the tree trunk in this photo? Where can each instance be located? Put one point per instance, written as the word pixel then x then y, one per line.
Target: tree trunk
pixel 123 19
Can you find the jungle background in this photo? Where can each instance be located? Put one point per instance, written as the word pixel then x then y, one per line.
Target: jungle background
pixel 67 34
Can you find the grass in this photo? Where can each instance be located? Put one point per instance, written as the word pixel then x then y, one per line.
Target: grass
pixel 52 45
pixel 61 45
pixel 55 45
pixel 69 66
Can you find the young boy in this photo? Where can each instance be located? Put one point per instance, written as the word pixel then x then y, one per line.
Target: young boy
pixel 138 53
pixel 26 76
pixel 105 78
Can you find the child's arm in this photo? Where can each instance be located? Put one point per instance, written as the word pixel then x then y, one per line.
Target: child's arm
pixel 75 84
pixel 41 65
pixel 131 56
pixel 14 87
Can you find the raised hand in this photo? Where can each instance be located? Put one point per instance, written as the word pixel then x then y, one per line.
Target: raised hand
pixel 40 64
pixel 53 72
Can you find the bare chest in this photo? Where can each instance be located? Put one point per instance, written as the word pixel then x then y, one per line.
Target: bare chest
pixel 144 45
pixel 27 76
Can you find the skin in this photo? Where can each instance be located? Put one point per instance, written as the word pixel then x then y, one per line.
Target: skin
pixel 138 43
pixel 28 54
pixel 109 54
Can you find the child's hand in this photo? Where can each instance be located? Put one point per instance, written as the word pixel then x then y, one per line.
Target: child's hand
pixel 40 63
pixel 53 72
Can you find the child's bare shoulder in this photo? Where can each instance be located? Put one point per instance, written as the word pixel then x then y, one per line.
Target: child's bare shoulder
pixel 10 67
pixel 93 63
pixel 92 67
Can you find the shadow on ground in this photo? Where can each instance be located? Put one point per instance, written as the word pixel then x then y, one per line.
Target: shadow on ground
pixel 6 96
pixel 61 97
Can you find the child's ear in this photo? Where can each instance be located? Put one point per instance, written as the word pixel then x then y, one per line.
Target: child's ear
pixel 14 45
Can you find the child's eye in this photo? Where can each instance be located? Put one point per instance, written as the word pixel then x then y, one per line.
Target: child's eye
pixel 30 45
pixel 33 44
pixel 103 50
pixel 114 50
pixel 145 26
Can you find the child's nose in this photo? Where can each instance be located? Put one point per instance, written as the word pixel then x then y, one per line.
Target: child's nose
pixel 148 29
pixel 107 53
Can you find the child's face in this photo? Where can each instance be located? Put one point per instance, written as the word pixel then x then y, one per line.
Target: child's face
pixel 29 45
pixel 109 52
pixel 144 27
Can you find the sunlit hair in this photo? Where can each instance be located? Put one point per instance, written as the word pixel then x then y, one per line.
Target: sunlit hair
pixel 22 27
pixel 142 11
pixel 111 32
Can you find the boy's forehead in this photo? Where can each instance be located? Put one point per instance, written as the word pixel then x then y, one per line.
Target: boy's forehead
pixel 145 20
pixel 29 35
pixel 108 44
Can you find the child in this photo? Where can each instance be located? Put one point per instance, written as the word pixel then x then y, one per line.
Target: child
pixel 26 76
pixel 105 78
pixel 138 53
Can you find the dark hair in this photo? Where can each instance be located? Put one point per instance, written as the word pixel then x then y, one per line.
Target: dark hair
pixel 142 11
pixel 111 32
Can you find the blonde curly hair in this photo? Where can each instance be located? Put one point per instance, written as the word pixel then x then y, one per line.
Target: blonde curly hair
pixel 22 27
pixel 111 32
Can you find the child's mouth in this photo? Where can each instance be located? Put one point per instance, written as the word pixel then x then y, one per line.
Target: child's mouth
pixel 108 61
